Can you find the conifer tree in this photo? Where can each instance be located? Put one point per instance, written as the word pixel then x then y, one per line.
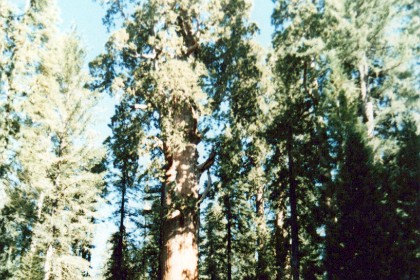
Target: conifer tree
pixel 407 201
pixel 49 214
pixel 213 244
pixel 22 29
pixel 297 132
pixel 358 231
pixel 312 168
pixel 163 58
pixel 382 86
pixel 8 123
pixel 60 165
pixel 376 46
pixel 123 146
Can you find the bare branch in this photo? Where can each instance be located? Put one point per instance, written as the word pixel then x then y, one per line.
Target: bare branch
pixel 208 162
pixel 206 190
pixel 192 49
pixel 149 55
pixel 140 107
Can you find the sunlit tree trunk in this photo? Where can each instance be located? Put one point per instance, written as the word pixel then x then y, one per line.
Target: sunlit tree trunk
pixel 281 246
pixel 180 224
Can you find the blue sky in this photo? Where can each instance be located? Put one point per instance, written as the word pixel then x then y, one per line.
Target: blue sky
pixel 86 16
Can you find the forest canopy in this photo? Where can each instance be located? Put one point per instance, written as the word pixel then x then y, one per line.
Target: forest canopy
pixel 227 159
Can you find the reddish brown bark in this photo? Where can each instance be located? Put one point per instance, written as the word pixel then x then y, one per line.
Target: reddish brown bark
pixel 179 256
pixel 180 227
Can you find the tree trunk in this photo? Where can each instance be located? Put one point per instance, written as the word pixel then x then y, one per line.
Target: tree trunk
pixel 161 226
pixel 48 266
pixel 229 236
pixel 261 236
pixel 281 243
pixel 180 228
pixel 293 208
pixel 120 249
pixel 366 104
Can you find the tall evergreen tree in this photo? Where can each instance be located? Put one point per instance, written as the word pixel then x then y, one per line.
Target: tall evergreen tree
pixel 374 70
pixel 49 216
pixel 312 168
pixel 60 165
pixel 297 133
pixel 22 29
pixel 380 65
pixel 162 59
pixel 8 123
pixel 358 229
pixel 123 146
pixel 407 189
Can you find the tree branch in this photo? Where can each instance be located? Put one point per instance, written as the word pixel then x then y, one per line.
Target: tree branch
pixel 206 190
pixel 208 162
pixel 192 49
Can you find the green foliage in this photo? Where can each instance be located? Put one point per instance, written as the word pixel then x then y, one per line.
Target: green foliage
pixel 123 183
pixel 359 237
pixel 47 220
pixel 316 144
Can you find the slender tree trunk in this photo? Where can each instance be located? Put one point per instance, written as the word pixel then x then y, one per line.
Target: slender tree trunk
pixel 229 236
pixel 49 254
pixel 120 255
pixel 281 243
pixel 293 208
pixel 161 225
pixel 262 261
pixel 330 242
pixel 366 104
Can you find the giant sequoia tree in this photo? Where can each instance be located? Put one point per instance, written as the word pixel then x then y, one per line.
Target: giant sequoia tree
pixel 160 57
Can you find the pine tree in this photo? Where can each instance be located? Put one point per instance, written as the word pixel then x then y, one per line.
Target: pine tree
pixel 213 246
pixel 379 65
pixel 8 128
pixel 22 30
pixel 8 123
pixel 399 177
pixel 48 232
pixel 297 133
pixel 373 70
pixel 358 229
pixel 408 188
pixel 60 164
pixel 123 147
pixel 312 168
pixel 236 68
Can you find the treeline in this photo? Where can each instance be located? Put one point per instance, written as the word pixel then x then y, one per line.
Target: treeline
pixel 226 160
